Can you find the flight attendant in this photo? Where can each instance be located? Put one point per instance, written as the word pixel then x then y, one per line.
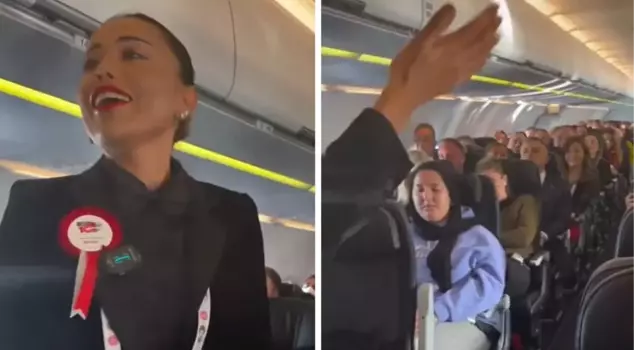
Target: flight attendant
pixel 136 251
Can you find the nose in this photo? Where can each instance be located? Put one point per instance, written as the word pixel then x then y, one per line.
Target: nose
pixel 104 75
pixel 424 196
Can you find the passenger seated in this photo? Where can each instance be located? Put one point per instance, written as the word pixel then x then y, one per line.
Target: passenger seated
pixel 273 283
pixel 497 151
pixel 463 260
pixel 453 151
pixel 583 180
pixel 515 143
pixel 501 137
pixel 519 222
pixel 595 144
pixel 425 140
pixel 556 206
pixel 309 286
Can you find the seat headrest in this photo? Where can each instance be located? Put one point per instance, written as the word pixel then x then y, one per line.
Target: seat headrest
pixel 523 177
pixel 605 314
pixel 484 141
pixel 625 236
pixel 479 195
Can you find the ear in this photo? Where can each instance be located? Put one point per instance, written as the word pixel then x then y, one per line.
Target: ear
pixel 189 100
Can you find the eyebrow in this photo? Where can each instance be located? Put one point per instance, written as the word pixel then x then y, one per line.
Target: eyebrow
pixel 121 39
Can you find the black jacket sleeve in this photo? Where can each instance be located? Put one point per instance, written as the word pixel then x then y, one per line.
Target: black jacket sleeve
pixel 563 208
pixel 368 156
pixel 244 306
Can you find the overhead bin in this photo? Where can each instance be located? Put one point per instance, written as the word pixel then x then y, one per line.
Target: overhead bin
pixel 275 75
pixel 526 35
pixel 253 54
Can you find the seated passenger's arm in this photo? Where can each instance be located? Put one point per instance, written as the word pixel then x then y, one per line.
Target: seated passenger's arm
pixel 524 234
pixel 481 290
pixel 367 156
pixel 561 218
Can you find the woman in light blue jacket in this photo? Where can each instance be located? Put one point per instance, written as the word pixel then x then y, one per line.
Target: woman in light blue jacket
pixel 463 260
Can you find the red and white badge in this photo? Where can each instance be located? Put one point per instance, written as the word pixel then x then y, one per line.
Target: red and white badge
pixel 85 232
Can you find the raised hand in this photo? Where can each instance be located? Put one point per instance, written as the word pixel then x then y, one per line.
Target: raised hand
pixel 434 63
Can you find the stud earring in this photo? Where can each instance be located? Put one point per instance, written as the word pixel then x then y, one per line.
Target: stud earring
pixel 184 115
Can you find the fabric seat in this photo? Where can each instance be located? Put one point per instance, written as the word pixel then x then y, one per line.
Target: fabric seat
pixel 606 309
pixel 292 323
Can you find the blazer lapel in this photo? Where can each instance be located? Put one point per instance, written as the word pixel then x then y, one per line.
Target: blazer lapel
pixel 205 236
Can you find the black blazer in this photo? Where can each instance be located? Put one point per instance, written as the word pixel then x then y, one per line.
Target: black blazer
pixel 556 205
pixel 223 251
pixel 584 194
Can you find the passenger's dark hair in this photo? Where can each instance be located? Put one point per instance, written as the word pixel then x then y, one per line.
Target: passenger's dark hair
pixel 422 126
pixel 185 66
pixel 490 163
pixel 588 168
pixel 456 143
pixel 274 277
pixel 492 145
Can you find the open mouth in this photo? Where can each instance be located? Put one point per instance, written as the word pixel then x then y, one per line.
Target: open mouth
pixel 107 98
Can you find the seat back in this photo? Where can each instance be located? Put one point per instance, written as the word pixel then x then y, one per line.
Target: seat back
pixel 292 323
pixel 479 195
pixel 290 290
pixel 625 236
pixel 472 157
pixel 485 141
pixel 370 301
pixel 605 313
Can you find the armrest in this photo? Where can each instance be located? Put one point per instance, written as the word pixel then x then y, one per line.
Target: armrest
pixel 538 258
pixel 427 325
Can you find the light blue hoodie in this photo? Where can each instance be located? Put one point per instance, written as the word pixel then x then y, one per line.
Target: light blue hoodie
pixel 478 274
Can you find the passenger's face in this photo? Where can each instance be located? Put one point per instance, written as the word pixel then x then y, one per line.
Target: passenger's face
pixel 562 136
pixel 515 142
pixel 425 140
pixel 543 135
pixel 449 151
pixel 536 152
pixel 500 182
pixel 271 289
pixel 592 144
pixel 431 197
pixel 574 155
pixel 501 137
pixel 498 152
pixel 131 89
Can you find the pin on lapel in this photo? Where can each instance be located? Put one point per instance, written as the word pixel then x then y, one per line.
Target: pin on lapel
pixel 85 232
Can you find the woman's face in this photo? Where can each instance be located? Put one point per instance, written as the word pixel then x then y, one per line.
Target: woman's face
pixel 131 90
pixel 593 145
pixel 431 196
pixel 500 182
pixel 574 155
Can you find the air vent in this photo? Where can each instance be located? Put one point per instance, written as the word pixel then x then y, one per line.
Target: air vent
pixel 306 135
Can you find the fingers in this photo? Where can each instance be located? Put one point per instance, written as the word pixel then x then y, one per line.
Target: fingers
pixel 486 22
pixel 439 22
